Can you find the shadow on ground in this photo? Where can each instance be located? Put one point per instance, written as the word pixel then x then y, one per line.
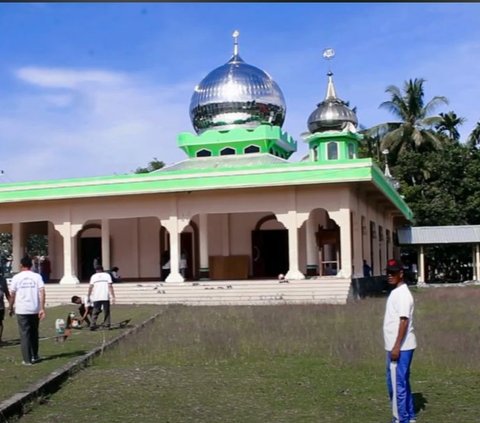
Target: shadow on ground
pixel 420 402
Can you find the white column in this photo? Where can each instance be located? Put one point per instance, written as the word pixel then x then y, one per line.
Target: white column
pixel 477 260
pixel 312 252
pixel 174 227
pixel 203 241
pixel 342 218
pixel 51 247
pixel 106 244
pixel 290 221
pixel 421 269
pixel 18 247
pixel 357 246
pixel 69 232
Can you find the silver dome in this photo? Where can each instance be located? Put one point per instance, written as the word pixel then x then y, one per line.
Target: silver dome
pixel 236 95
pixel 332 114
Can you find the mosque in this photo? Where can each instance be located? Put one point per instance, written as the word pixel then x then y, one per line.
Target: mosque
pixel 235 208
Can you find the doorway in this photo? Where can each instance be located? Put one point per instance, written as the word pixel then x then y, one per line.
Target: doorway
pixel 269 253
pixel 90 248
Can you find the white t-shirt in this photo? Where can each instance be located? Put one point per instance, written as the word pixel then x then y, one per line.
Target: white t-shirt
pixel 399 304
pixel 27 285
pixel 100 282
pixel 85 301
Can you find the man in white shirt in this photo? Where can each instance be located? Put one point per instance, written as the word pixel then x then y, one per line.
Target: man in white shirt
pixel 27 296
pixel 100 292
pixel 400 343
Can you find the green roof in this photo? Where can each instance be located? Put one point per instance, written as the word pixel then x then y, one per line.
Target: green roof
pixel 244 175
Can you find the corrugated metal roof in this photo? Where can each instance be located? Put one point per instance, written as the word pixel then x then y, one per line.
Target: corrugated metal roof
pixel 462 234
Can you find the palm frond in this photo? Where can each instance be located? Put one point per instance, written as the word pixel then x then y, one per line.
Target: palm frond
pixel 434 103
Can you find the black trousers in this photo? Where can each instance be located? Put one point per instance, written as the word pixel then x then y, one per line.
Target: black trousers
pixel 28 329
pixel 82 310
pixel 98 306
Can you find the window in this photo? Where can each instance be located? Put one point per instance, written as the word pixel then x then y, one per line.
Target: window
pixel 204 153
pixel 227 151
pixel 351 151
pixel 332 151
pixel 252 149
pixel 315 153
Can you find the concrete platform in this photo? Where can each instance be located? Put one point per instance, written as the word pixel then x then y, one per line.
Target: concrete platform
pixel 327 290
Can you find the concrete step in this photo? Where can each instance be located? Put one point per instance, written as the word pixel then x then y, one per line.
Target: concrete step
pixel 311 291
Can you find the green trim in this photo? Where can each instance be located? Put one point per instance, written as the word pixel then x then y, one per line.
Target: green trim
pixel 386 187
pixel 320 141
pixel 284 174
pixel 266 137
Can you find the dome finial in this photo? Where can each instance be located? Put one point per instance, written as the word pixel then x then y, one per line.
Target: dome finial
pixel 331 94
pixel 329 54
pixel 235 36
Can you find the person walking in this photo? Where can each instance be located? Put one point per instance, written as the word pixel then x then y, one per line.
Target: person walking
pixel 27 300
pixel 100 292
pixel 400 343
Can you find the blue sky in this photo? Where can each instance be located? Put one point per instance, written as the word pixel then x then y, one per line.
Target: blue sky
pixel 101 88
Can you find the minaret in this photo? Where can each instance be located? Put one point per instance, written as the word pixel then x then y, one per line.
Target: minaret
pixel 332 126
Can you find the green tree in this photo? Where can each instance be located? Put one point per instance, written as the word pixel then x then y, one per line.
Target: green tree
pixel 153 165
pixel 474 137
pixel 448 125
pixel 414 131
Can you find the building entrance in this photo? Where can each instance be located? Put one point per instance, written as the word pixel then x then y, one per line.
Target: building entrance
pixel 269 253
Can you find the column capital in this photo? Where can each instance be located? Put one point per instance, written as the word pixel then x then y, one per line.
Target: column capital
pixel 68 228
pixel 173 223
pixel 292 217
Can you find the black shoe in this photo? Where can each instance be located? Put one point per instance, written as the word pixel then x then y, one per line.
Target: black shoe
pixel 36 360
pixel 93 327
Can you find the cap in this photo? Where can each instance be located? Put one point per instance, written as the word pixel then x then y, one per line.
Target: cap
pixel 393 266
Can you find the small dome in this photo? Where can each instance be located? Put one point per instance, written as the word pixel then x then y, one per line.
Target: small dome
pixel 332 114
pixel 236 95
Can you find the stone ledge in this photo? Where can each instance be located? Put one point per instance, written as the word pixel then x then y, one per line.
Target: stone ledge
pixel 17 403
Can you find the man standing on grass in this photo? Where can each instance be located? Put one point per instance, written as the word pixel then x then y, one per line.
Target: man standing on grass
pixel 100 292
pixel 400 343
pixel 27 295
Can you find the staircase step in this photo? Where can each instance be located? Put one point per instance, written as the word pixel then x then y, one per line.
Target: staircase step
pixel 251 292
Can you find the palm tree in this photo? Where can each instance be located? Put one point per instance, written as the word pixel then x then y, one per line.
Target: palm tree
pixel 448 125
pixel 414 130
pixel 474 137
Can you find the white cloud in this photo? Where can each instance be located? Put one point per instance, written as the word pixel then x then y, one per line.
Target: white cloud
pixel 88 123
pixel 68 78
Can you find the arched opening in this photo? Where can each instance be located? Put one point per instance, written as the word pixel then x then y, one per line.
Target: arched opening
pixel 204 153
pixel 269 248
pixel 227 151
pixel 328 242
pixel 89 247
pixel 252 149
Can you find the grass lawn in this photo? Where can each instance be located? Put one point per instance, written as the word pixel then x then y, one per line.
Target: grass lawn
pixel 15 377
pixel 279 364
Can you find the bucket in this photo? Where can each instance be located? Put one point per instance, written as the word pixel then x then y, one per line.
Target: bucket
pixel 60 326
